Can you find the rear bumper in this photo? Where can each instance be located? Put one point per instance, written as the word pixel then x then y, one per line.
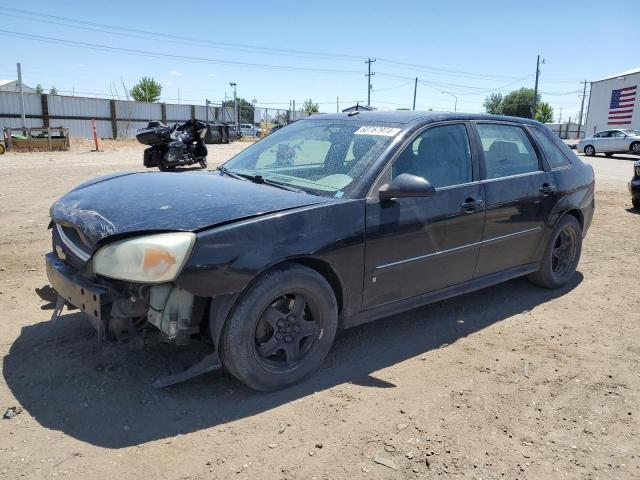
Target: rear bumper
pixel 90 298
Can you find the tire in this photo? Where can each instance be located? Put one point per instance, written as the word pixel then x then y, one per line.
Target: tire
pixel 636 203
pixel 554 272
pixel 608 154
pixel 589 151
pixel 266 343
pixel 635 148
pixel 203 163
pixel 2 149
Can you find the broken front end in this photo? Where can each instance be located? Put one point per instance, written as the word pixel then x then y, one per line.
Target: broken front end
pixel 125 288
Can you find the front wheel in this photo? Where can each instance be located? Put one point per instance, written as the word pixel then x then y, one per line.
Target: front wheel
pixel 636 203
pixel 203 163
pixel 281 329
pixel 589 151
pixel 561 256
pixel 635 148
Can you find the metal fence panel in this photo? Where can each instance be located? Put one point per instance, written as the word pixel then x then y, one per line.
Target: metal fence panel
pixel 178 113
pixel 78 107
pixel 138 111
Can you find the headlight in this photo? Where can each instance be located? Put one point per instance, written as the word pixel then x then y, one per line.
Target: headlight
pixel 149 259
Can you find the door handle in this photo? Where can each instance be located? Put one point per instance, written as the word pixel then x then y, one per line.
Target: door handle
pixel 547 189
pixel 470 205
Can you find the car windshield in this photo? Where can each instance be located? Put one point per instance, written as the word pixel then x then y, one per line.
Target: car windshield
pixel 322 157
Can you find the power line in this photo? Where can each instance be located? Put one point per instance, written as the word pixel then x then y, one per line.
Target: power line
pixel 146 53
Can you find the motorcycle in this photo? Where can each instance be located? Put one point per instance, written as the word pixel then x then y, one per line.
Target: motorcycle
pixel 177 146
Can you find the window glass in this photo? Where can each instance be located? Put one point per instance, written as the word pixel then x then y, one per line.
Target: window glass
pixel 507 150
pixel 554 154
pixel 323 157
pixel 440 155
pixel 617 134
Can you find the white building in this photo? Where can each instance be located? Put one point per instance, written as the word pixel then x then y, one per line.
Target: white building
pixel 14 86
pixel 614 102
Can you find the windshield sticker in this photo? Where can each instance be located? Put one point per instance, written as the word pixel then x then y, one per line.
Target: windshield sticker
pixel 382 131
pixel 339 194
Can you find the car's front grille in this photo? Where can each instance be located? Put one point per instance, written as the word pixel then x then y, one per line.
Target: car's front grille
pixel 69 246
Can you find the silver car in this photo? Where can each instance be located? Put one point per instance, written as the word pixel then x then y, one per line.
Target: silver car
pixel 610 142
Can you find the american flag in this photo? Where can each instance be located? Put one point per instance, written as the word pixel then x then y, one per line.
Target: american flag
pixel 621 105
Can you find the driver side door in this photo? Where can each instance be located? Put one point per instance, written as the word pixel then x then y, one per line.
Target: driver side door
pixel 422 244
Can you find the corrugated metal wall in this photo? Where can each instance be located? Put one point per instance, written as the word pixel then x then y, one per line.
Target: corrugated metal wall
pixel 130 115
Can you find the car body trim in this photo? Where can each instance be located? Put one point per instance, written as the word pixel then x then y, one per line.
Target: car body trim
pixel 455 249
pixel 81 254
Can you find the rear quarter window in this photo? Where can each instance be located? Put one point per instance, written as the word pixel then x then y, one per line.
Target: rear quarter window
pixel 554 155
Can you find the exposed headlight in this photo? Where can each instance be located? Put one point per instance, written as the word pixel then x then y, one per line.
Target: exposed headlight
pixel 149 259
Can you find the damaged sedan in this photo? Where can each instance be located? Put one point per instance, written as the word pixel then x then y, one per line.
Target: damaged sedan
pixel 332 222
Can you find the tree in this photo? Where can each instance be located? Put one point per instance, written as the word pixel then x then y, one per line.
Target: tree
pixel 245 109
pixel 519 103
pixel 53 90
pixel 146 90
pixel 493 104
pixel 39 89
pixel 544 113
pixel 309 107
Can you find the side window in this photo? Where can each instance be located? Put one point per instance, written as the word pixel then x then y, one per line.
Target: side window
pixel 617 134
pixel 554 154
pixel 507 150
pixel 440 154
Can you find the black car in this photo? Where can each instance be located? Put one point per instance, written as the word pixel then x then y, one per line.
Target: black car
pixel 331 222
pixel 634 186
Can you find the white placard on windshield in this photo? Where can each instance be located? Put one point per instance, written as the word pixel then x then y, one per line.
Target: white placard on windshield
pixel 383 131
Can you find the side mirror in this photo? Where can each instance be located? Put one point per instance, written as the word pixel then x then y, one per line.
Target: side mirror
pixel 406 185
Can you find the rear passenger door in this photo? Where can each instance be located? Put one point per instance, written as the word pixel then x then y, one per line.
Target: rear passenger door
pixel 519 197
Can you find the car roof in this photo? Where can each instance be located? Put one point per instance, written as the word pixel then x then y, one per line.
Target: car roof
pixel 411 117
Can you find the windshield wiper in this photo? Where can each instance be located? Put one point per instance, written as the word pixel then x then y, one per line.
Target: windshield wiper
pixel 226 171
pixel 273 183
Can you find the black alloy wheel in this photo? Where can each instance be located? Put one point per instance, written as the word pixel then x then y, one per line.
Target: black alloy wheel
pixel 285 332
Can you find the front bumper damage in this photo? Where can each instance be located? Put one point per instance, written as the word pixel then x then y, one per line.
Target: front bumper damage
pixel 121 311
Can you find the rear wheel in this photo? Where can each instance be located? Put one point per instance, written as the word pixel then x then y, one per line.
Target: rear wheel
pixel 281 329
pixel 636 203
pixel 203 163
pixel 589 151
pixel 561 256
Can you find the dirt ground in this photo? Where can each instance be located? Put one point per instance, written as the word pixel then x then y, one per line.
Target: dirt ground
pixel 509 382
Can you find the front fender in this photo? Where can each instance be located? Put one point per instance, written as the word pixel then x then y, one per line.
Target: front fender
pixel 226 259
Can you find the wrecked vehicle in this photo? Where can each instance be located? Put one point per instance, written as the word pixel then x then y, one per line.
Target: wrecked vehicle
pixel 332 222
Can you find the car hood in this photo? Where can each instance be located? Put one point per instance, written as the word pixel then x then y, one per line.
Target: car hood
pixel 162 201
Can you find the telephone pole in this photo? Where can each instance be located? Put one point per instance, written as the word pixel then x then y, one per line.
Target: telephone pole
pixel 24 121
pixel 369 74
pixel 535 92
pixel 584 94
pixel 415 91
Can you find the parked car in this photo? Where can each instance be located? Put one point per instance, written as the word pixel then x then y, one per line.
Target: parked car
pixel 634 186
pixel 331 222
pixel 249 130
pixel 610 142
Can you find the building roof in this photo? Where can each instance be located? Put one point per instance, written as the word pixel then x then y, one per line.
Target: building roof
pixel 622 74
pixel 358 107
pixel 4 82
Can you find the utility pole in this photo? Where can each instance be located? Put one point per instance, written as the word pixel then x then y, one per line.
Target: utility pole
pixel 235 105
pixel 535 91
pixel 24 120
pixel 369 74
pixel 584 94
pixel 415 91
pixel 337 104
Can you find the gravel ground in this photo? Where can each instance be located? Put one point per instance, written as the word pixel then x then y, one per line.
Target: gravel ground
pixel 509 382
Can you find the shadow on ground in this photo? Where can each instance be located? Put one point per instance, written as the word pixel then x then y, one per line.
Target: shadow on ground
pixel 102 395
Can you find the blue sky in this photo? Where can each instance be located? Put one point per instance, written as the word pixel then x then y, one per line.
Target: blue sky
pixel 468 48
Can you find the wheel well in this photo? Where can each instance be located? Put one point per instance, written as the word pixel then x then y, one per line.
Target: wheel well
pixel 578 214
pixel 329 275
